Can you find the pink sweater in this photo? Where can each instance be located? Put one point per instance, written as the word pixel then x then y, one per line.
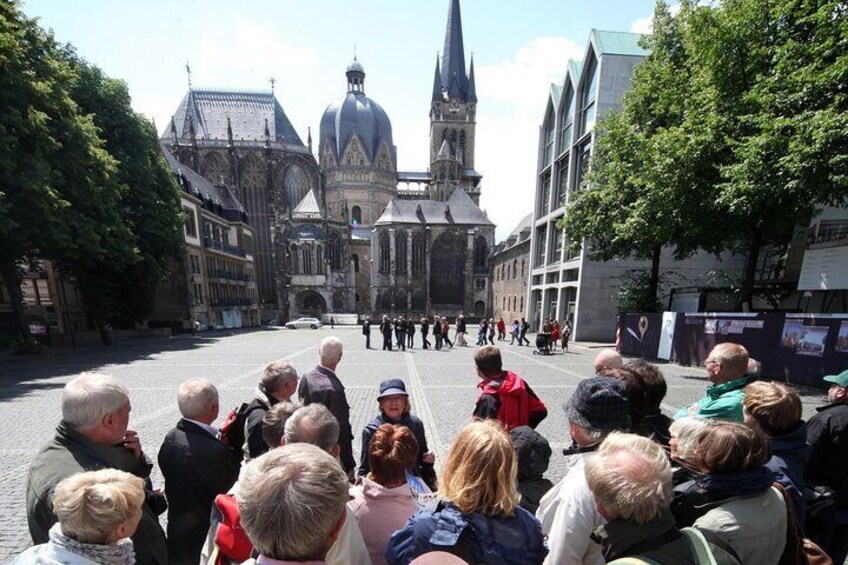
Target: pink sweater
pixel 380 512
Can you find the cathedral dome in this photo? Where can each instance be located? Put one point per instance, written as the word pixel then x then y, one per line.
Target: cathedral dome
pixel 356 114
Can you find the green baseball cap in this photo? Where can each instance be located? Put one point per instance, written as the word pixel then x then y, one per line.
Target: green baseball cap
pixel 841 379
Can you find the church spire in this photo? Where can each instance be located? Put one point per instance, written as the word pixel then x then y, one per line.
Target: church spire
pixel 471 95
pixel 453 56
pixel 437 83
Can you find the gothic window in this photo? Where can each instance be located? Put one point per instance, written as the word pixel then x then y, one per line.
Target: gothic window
pixel 400 300
pixel 481 250
pixel 356 215
pixel 306 253
pixel 319 262
pixel 295 263
pixel 453 140
pixel 462 144
pixel 522 268
pixel 296 184
pixel 355 258
pixel 514 268
pixel 214 168
pixel 400 251
pixel 522 304
pixel 334 250
pixel 418 300
pixel 385 253
pixel 418 257
pixel 386 300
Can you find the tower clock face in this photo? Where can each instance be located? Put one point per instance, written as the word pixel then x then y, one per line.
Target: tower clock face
pixel 454 105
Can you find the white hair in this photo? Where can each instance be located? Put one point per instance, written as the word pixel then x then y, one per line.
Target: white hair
pixel 290 500
pixel 630 476
pixel 88 398
pixel 196 397
pixel 685 431
pixel 313 424
pixel 330 350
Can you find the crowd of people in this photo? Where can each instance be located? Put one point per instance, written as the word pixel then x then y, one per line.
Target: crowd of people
pixel 737 477
pixel 400 332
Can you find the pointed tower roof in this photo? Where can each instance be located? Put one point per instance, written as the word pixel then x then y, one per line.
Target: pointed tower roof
pixel 453 56
pixel 437 83
pixel 471 96
pixel 444 151
pixel 308 205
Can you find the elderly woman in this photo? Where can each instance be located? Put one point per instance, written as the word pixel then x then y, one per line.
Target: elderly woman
pixel 394 409
pixel 382 500
pixel 478 517
pixel 737 503
pixel 98 511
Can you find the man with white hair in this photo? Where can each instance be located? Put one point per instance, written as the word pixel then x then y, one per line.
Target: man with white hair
pixel 196 467
pixel 321 385
pixel 93 435
pixel 278 384
pixel 607 359
pixel 630 480
pixel 310 493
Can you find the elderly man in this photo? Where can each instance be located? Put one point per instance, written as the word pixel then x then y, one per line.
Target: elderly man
pixel 726 367
pixel 196 467
pixel 567 512
pixel 607 359
pixel 93 435
pixel 279 382
pixel 630 480
pixel 321 385
pixel 827 434
pixel 310 493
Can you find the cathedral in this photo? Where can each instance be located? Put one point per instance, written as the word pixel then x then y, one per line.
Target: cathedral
pixel 347 232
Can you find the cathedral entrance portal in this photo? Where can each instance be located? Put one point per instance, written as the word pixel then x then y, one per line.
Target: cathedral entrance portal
pixel 312 304
pixel 447 270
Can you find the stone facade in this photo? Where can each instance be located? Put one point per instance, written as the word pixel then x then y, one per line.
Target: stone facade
pixel 509 264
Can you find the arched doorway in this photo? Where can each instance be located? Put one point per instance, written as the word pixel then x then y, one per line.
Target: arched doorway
pixel 310 303
pixel 447 270
pixel 479 309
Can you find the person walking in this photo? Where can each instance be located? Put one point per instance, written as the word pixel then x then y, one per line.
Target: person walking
pixel 400 333
pixel 459 338
pixel 437 331
pixel 513 332
pixel 410 332
pixel 446 331
pixel 425 330
pixel 332 323
pixel 482 328
pixel 366 331
pixel 386 330
pixel 555 335
pixel 566 335
pixel 491 331
pixel 501 329
pixel 522 336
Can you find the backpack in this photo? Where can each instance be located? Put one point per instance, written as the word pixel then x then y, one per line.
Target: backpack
pixel 232 430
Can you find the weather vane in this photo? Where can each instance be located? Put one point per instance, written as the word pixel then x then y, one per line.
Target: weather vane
pixel 273 81
pixel 188 72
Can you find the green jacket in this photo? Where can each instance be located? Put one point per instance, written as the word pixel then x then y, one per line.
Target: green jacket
pixel 70 452
pixel 722 402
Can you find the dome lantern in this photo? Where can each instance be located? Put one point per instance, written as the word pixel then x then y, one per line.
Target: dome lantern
pixel 355 77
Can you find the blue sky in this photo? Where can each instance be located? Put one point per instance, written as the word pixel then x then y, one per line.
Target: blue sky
pixel 519 49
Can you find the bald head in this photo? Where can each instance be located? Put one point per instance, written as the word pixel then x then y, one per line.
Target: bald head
pixel 330 352
pixel 607 359
pixel 727 362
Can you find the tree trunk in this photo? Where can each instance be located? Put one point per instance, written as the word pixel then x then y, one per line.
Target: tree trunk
pixel 654 281
pixel 751 269
pixel 11 277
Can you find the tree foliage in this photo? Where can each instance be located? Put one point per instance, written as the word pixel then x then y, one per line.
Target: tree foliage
pixel 81 178
pixel 733 131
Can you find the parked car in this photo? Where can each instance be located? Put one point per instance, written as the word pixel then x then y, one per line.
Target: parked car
pixel 312 323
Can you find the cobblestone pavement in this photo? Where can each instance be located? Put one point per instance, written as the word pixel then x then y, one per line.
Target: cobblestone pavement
pixel 441 386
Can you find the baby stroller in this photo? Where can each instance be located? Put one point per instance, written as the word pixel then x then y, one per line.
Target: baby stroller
pixel 543 344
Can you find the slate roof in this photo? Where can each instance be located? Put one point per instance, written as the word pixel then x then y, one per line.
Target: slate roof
pixel 413 176
pixel 247 111
pixel 461 210
pixel 451 78
pixel 617 43
pixel 356 114
pixel 218 199
pixel 519 235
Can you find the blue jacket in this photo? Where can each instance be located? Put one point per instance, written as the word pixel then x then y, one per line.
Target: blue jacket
pixel 789 454
pixel 517 540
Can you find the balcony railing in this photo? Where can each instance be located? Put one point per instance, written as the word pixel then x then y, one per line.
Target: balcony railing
pixel 233 302
pixel 226 248
pixel 228 275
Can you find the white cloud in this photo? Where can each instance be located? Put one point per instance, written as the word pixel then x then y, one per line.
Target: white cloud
pixel 646 25
pixel 507 139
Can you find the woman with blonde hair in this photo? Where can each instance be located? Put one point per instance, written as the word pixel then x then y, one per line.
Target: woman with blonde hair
pixel 478 517
pixel 98 511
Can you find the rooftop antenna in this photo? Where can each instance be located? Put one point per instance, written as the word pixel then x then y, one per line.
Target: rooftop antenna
pixel 273 81
pixel 188 72
pixel 354 51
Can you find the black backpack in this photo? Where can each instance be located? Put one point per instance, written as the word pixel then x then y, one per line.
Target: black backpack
pixel 232 431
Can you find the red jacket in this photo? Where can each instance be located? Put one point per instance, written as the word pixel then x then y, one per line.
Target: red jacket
pixel 509 400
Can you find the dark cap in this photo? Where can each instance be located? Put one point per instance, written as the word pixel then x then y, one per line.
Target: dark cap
pixel 391 387
pixel 599 403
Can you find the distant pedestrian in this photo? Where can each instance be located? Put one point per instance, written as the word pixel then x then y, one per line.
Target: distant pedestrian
pixel 491 331
pixel 437 331
pixel 459 339
pixel 400 333
pixel 386 331
pixel 410 332
pixel 501 329
pixel 366 331
pixel 513 332
pixel 566 335
pixel 555 335
pixel 425 330
pixel 446 331
pixel 522 336
pixel 332 322
pixel 482 328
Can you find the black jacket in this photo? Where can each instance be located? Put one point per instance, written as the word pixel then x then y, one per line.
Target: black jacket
pixel 70 452
pixel 366 328
pixel 197 467
pixel 827 434
pixel 424 470
pixel 323 386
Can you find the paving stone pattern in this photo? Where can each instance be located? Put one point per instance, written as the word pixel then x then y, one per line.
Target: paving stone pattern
pixel 441 386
